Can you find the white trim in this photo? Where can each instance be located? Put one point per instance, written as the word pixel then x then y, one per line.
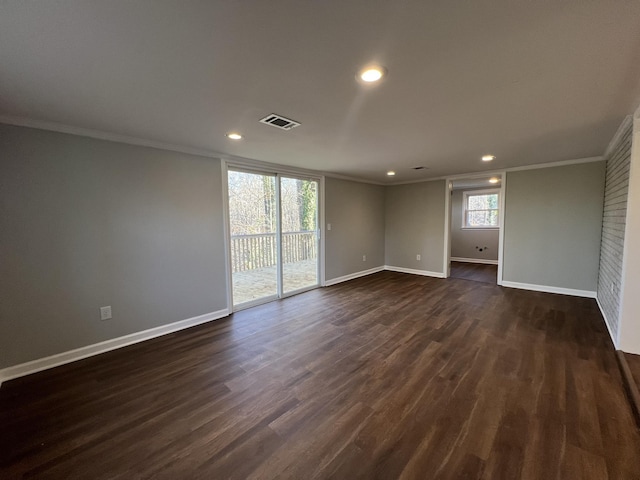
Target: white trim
pixel 226 227
pixel 143 142
pixel 465 204
pixel 447 229
pixel 483 228
pixel 474 260
pixel 277 172
pixel 255 303
pixel 626 122
pixel 549 289
pixel 45 363
pixel 629 228
pixel 614 340
pixel 101 135
pixel 412 271
pixel 354 179
pixel 502 220
pixel 321 231
pixel 352 276
pixel 501 189
pixel 279 242
pixel 562 163
pixel 489 173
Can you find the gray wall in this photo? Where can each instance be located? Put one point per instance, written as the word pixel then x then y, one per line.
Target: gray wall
pixel 87 223
pixel 553 220
pixel 356 214
pixel 613 228
pixel 465 240
pixel 414 224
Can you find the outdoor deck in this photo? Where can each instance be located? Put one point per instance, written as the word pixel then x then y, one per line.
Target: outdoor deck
pixel 252 284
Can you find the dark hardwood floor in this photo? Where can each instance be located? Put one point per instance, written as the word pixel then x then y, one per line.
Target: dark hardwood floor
pixel 388 376
pixel 630 366
pixel 477 272
pixel 634 365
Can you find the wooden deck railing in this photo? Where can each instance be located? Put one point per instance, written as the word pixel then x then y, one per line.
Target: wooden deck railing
pixel 249 252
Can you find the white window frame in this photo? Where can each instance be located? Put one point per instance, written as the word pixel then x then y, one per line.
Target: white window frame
pixel 465 204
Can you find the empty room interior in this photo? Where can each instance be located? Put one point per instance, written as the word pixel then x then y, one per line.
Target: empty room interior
pixel 312 240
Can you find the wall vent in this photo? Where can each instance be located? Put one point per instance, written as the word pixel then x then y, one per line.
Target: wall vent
pixel 279 121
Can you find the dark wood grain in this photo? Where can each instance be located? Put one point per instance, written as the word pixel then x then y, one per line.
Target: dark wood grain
pixel 478 272
pixel 633 361
pixel 630 370
pixel 388 376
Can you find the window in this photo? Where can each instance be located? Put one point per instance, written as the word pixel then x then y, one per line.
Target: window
pixel 481 209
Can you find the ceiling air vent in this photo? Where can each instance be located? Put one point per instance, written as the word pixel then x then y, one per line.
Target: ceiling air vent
pixel 279 122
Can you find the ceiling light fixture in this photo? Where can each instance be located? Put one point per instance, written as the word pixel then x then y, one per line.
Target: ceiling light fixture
pixel 391 173
pixel 488 158
pixel 494 180
pixel 372 73
pixel 234 136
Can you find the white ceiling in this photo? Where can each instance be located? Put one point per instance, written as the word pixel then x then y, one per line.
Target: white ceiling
pixel 530 82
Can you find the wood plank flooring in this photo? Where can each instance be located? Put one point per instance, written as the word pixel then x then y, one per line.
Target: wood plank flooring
pixel 478 272
pixel 384 377
pixel 630 366
pixel 634 365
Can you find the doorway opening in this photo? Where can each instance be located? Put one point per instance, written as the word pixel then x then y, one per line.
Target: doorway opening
pixel 475 213
pixel 273 236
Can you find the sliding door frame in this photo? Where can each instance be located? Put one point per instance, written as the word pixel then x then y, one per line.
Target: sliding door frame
pixel 278 172
pixel 319 276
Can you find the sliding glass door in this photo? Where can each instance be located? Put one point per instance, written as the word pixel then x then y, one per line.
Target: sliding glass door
pixel 299 223
pixel 274 236
pixel 253 225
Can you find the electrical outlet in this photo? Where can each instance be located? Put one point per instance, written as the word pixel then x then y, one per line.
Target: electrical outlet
pixel 418 257
pixel 613 287
pixel 105 313
pixel 364 258
pixel 328 226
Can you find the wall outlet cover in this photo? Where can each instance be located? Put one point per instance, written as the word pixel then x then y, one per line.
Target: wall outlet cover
pixel 105 313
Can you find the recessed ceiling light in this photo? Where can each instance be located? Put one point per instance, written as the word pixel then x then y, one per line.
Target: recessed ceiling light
pixel 494 180
pixel 372 73
pixel 488 158
pixel 391 173
pixel 234 136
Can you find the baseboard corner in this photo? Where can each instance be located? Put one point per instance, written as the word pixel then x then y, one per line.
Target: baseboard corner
pixel 353 276
pixel 413 271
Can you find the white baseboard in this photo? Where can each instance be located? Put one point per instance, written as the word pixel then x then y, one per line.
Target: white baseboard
pixel 413 271
pixel 352 276
pixel 474 260
pixel 606 322
pixel 45 363
pixel 549 289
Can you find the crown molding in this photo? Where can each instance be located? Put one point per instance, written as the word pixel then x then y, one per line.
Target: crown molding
pixel 109 136
pixel 353 179
pixel 626 123
pixel 144 142
pixel 562 163
pixel 536 166
pixel 232 159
